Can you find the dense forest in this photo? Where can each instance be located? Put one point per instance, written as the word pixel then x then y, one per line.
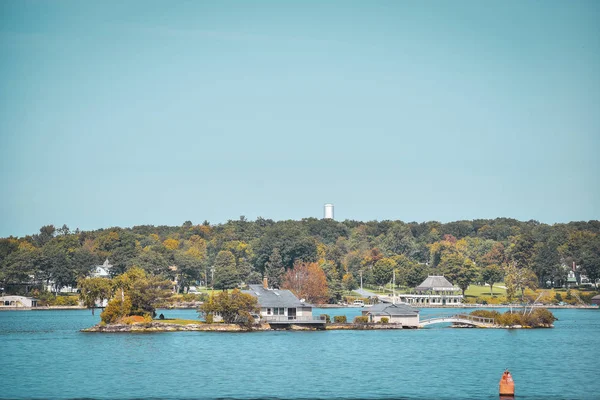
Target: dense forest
pixel 526 254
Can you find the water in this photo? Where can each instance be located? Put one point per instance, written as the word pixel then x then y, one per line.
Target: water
pixel 44 356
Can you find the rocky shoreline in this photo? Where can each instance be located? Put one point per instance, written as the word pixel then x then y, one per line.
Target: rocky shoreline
pixel 220 327
pixel 150 327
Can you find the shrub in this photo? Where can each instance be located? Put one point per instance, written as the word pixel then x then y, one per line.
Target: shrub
pixel 385 320
pixel 116 309
pixel 361 320
pixel 132 319
pixel 510 319
pixel 66 301
pixel 209 318
pixel 481 300
pixel 326 317
pixel 486 314
pixel 543 316
pixel 340 319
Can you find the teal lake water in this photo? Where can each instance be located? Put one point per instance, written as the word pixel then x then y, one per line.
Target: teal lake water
pixel 44 356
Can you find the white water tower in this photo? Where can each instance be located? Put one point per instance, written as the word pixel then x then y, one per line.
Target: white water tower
pixel 328 211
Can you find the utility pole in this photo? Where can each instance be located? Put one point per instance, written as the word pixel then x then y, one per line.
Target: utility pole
pixel 360 282
pixel 394 286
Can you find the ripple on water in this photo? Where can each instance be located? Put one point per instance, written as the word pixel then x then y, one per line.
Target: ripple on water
pixel 50 358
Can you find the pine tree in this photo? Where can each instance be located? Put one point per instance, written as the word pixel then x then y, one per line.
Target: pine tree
pixel 274 269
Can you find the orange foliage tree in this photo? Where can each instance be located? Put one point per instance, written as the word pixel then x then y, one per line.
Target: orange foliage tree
pixel 307 281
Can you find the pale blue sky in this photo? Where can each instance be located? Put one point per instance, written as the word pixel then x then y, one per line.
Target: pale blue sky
pixel 118 114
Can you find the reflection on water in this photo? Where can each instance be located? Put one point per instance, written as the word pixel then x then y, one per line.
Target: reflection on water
pixel 50 358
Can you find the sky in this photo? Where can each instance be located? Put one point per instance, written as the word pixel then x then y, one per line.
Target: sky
pixel 150 112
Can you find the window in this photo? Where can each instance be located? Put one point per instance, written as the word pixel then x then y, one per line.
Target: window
pixel 269 311
pixel 279 311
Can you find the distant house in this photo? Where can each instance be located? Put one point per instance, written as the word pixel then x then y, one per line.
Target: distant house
pixel 101 271
pixel 17 301
pixel 281 306
pixel 395 313
pixel 435 290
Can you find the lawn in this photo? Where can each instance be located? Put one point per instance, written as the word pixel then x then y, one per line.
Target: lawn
pixel 477 290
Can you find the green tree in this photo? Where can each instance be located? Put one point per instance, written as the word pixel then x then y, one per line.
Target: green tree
pixel 459 270
pixel 491 274
pixel 584 248
pixel 92 290
pixel 518 279
pixel 144 291
pixel 234 307
pixel 226 274
pixel 416 274
pixel 383 270
pixel 274 269
pixel 116 309
pixel 348 282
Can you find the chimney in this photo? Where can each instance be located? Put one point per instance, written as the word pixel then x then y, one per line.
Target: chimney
pixel 265 283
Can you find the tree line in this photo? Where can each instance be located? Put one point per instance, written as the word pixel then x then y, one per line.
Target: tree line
pixel 522 254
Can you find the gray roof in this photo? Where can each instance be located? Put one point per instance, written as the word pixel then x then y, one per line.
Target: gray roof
pixel 396 310
pixel 436 282
pixel 275 297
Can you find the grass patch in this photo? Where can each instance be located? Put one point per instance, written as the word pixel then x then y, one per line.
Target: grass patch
pixel 477 291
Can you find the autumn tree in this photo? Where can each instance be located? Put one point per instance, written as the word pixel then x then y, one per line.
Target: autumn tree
pixel 307 281
pixel 348 282
pixel 143 291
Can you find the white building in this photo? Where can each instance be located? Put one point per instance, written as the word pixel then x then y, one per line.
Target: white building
pixel 282 307
pixel 102 271
pixel 435 290
pixel 395 313
pixel 17 301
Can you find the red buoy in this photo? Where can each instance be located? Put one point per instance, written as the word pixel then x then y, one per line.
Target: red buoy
pixel 507 385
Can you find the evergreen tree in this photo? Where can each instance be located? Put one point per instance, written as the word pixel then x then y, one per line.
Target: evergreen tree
pixel 274 269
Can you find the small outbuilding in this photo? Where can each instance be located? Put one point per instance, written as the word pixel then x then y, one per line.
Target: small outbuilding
pixel 395 313
pixel 17 301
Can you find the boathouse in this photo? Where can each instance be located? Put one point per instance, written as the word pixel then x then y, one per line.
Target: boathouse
pixel 282 307
pixel 395 313
pixel 17 302
pixel 435 290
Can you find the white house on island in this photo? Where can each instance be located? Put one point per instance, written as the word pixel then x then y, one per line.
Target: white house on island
pixel 282 307
pixel 435 290
pixel 395 313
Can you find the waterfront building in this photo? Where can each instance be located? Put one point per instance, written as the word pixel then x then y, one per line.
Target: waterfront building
pixel 395 313
pixel 281 306
pixel 435 290
pixel 17 301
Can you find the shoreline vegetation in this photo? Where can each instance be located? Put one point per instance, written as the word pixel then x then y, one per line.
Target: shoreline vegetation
pixel 506 321
pixel 333 306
